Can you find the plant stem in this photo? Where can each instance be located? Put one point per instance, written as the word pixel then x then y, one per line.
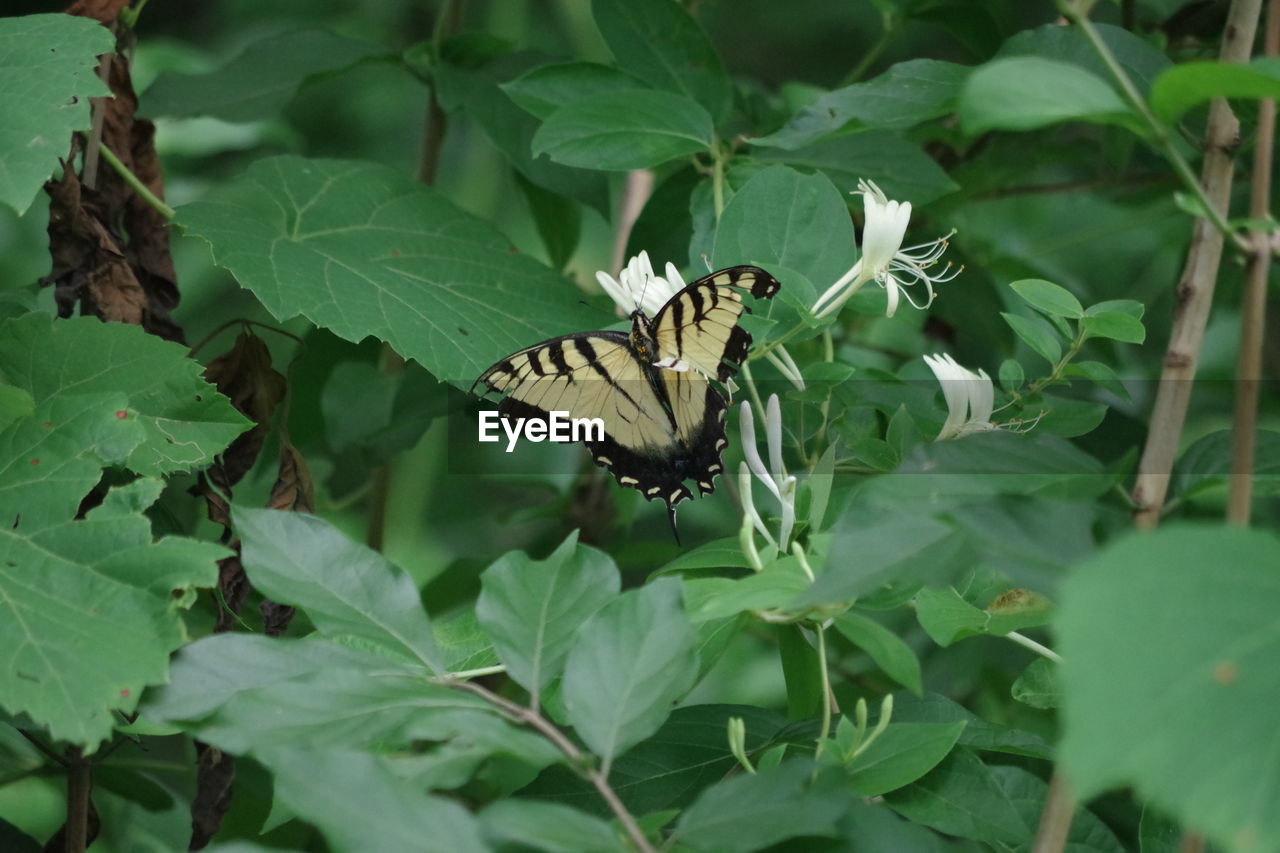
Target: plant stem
pixel 1216 213
pixel 1194 295
pixel 598 778
pixel 134 183
pixel 1028 643
pixel 1253 302
pixel 825 731
pixel 889 22
pixel 1055 820
pixel 717 178
pixel 79 784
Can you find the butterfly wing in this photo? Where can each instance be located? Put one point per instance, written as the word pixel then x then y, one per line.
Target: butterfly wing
pixel 597 375
pixel 699 325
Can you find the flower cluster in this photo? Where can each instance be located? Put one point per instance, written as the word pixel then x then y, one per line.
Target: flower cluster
pixel 885 261
pixel 775 478
pixel 637 286
pixel 970 397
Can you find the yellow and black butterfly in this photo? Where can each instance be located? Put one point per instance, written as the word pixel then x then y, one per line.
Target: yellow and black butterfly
pixel 663 417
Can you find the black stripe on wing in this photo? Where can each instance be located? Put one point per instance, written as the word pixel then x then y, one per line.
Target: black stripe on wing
pixel 701 321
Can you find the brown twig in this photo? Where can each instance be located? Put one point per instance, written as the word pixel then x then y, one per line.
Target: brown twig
pixel 1055 820
pixel 79 785
pixel 635 192
pixel 1195 289
pixel 98 112
pixel 598 779
pixel 1253 303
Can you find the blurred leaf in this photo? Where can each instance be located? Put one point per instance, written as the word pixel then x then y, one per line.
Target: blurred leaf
pixel 946 617
pixel 1159 653
pixel 1207 463
pixel 1181 87
pixel 1103 375
pixel 962 796
pixel 884 647
pixel 48 76
pixel 1140 58
pixel 559 221
pixel 363 250
pixel 531 608
pixel 717 554
pixel 1157 833
pixel 1048 297
pixel 185 421
pixel 905 95
pixel 1038 685
pixel 545 89
pixel 130 785
pixel 359 803
pixel 782 218
pixel 897 165
pixel 1027 93
pixel 623 130
pixel 752 811
pixel 1011 374
pixel 689 752
pixel 770 589
pixel 1037 334
pixel 547 826
pixel 260 81
pixel 1027 792
pixel 1114 325
pixel 659 42
pixel 900 755
pixel 629 662
pixel 977 734
pixel 345 588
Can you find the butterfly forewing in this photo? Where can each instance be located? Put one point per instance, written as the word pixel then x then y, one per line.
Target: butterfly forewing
pixel 699 325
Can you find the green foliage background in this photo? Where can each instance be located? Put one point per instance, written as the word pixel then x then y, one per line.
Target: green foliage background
pixel 600 657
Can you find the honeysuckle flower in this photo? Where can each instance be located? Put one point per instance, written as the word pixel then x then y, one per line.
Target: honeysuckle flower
pixel 970 397
pixel 884 260
pixel 637 286
pixel 775 478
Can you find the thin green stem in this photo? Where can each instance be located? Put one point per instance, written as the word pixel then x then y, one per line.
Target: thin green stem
pixel 825 731
pixel 889 30
pixel 476 673
pixel 134 183
pixel 1159 133
pixel 717 177
pixel 1028 643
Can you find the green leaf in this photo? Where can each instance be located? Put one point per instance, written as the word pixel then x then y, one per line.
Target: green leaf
pixel 1183 86
pixel 978 733
pixel 905 95
pixel 463 644
pixel 185 421
pixel 547 826
pixel 946 617
pixel 1160 651
pixel 47 67
pixel 689 752
pixel 363 250
pixel 1038 685
pixel 1116 326
pixel 624 130
pixel 532 608
pixel 630 661
pixel 782 218
pixel 660 43
pixel 717 554
pixel 88 615
pixel 1037 334
pixel 752 811
pixel 1026 93
pixel 1140 58
pixel 1027 792
pixel 559 221
pixel 1207 464
pixel 962 796
pixel 256 84
pixel 900 755
pixel 1011 374
pixel 359 802
pixel 897 165
pixel 771 589
pixel 884 647
pixel 1048 297
pixel 1103 375
pixel 545 89
pixel 345 588
pixel 1132 307
pixel 820 481
pixel 14 403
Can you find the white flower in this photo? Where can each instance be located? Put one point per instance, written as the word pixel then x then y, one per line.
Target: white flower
pixel 775 478
pixel 639 287
pixel 970 397
pixel 883 258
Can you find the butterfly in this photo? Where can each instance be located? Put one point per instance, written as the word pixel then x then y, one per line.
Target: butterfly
pixel 663 417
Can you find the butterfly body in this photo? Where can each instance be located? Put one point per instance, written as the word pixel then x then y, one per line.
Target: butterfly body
pixel 663 418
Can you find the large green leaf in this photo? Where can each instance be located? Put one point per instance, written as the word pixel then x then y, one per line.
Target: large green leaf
pixel 545 89
pixel 752 811
pixel 258 82
pixel 629 663
pixel 364 250
pixel 88 611
pixel 962 796
pixel 532 608
pixel 185 421
pixel 900 755
pixel 884 647
pixel 1140 58
pixel 346 588
pixel 782 218
pixel 1181 87
pixel 946 617
pixel 658 42
pixel 1170 638
pixel 1024 93
pixel 906 94
pixel 47 77
pixel 623 130
pixel 548 826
